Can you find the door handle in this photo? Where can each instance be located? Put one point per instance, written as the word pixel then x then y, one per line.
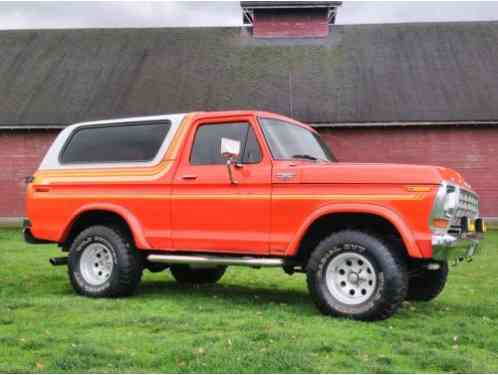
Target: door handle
pixel 189 177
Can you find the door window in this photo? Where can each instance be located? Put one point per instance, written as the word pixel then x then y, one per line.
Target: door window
pixel 207 142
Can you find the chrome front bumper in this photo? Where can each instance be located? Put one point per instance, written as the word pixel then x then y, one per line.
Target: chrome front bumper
pixel 446 247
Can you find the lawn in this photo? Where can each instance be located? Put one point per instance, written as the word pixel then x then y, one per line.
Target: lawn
pixel 252 321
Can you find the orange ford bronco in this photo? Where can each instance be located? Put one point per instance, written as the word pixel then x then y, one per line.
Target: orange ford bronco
pixel 195 193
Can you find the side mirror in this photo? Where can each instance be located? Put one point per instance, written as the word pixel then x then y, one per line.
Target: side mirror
pixel 230 150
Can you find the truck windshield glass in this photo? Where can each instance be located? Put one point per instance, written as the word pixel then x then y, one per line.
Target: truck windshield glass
pixel 288 141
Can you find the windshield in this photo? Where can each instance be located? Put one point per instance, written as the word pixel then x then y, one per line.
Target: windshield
pixel 288 141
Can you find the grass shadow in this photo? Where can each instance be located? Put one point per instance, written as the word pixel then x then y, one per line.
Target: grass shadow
pixel 226 292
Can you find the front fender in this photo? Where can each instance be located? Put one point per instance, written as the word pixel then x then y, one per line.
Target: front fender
pixel 131 220
pixel 392 216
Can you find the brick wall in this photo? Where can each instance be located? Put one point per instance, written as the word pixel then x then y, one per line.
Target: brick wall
pixel 20 155
pixel 472 151
pixel 290 23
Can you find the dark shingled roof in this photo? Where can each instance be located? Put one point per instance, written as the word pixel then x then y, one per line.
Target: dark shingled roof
pixel 359 73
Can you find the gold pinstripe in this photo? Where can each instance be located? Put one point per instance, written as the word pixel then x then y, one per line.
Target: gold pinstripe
pixel 153 173
pixel 149 175
pixel 322 197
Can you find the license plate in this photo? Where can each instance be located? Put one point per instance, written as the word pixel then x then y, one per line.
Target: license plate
pixel 471 227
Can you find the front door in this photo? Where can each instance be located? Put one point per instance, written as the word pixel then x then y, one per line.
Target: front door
pixel 211 213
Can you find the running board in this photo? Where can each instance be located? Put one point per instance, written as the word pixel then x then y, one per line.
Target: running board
pixel 216 260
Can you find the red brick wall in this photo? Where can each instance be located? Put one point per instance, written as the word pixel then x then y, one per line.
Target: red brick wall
pixel 290 23
pixel 20 154
pixel 469 150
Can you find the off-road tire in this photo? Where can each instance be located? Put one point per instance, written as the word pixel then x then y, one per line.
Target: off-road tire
pixel 425 284
pixel 389 267
pixel 127 262
pixel 184 274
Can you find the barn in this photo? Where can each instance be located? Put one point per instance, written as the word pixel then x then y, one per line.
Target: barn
pixel 410 93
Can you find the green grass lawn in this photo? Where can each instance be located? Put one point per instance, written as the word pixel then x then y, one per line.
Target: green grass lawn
pixel 252 321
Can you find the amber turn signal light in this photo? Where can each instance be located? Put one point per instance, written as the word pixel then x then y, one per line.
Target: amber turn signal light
pixel 440 223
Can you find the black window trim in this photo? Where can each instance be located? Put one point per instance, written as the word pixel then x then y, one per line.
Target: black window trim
pixel 242 151
pixel 110 125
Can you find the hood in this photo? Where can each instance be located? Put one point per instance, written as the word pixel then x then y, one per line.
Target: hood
pixel 375 173
pixel 453 176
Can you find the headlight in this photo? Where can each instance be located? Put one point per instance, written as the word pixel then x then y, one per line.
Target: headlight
pixel 444 209
pixel 450 201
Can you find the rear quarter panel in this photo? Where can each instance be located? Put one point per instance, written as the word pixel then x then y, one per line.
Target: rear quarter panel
pixel 141 195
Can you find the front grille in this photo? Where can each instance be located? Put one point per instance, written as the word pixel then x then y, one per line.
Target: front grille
pixel 468 206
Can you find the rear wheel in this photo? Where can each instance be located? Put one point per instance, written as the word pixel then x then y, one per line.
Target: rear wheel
pixel 425 284
pixel 187 274
pixel 352 274
pixel 104 263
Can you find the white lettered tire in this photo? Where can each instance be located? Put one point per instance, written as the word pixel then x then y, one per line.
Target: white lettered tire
pixel 104 263
pixel 355 275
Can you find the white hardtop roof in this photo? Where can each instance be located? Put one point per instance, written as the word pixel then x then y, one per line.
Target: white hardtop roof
pixel 51 159
pixel 175 117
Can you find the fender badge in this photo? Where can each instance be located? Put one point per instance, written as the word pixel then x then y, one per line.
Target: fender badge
pixel 285 176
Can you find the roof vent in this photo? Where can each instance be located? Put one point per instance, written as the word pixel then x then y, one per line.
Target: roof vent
pixel 289 19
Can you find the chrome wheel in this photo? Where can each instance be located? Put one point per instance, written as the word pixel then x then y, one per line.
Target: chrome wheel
pixel 351 278
pixel 96 264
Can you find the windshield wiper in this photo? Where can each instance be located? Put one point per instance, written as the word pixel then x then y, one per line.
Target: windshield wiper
pixel 304 156
pixel 307 157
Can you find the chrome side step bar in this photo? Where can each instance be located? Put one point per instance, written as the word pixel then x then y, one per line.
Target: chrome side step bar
pixel 215 260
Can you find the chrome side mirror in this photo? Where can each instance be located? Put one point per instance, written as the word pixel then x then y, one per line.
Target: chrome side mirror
pixel 230 150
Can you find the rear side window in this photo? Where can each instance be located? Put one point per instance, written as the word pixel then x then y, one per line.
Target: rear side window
pixel 115 143
pixel 206 147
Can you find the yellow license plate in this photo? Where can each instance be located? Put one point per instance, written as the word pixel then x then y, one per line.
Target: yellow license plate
pixel 471 226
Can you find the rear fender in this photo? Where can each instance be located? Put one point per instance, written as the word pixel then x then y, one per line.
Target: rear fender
pixel 129 218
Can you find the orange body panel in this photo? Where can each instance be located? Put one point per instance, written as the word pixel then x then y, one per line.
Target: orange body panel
pixel 210 213
pixel 176 206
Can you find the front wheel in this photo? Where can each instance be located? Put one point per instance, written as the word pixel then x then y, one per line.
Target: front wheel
pixel 186 274
pixel 104 263
pixel 354 275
